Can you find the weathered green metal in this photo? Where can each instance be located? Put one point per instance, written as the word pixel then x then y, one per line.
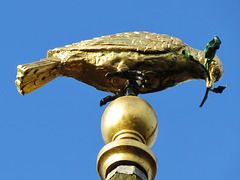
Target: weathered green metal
pixel 210 51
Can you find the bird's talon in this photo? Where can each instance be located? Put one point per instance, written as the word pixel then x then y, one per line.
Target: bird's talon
pixel 110 98
pixel 135 80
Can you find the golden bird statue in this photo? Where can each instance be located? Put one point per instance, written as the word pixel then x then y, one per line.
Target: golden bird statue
pixel 125 64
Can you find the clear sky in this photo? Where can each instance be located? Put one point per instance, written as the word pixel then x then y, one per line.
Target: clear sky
pixel 54 132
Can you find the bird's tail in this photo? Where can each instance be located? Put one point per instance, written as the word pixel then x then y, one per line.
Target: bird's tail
pixel 34 75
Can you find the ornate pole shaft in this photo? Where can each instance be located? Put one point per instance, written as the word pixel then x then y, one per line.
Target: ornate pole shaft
pixel 129 127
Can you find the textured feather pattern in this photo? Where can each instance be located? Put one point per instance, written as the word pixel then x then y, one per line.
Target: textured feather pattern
pixel 34 75
pixel 132 41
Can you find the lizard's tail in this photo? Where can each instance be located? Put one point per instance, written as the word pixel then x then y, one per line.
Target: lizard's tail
pixel 34 75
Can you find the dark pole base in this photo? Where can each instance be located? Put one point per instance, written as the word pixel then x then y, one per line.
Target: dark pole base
pixel 126 172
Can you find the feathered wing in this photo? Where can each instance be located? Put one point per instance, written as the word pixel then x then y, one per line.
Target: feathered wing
pixel 130 41
pixel 34 75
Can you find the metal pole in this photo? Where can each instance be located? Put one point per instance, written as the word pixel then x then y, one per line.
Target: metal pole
pixel 125 172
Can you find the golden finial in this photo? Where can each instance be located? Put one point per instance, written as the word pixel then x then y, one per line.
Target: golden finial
pixel 129 127
pixel 129 116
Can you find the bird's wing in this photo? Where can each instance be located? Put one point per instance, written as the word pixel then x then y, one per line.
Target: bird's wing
pixel 132 41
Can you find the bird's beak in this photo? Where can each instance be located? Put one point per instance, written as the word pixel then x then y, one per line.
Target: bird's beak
pixel 210 82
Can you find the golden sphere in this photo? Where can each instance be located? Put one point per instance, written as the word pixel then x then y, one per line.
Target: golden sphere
pixel 129 117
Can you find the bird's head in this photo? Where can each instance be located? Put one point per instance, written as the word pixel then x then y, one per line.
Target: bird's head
pixel 215 72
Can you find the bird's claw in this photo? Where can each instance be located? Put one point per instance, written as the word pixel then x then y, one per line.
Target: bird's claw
pixel 110 98
pixel 135 80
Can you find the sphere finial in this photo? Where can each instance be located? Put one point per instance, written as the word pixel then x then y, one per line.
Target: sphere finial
pixel 129 117
pixel 129 127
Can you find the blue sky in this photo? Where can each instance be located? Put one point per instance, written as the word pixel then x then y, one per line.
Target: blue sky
pixel 54 132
